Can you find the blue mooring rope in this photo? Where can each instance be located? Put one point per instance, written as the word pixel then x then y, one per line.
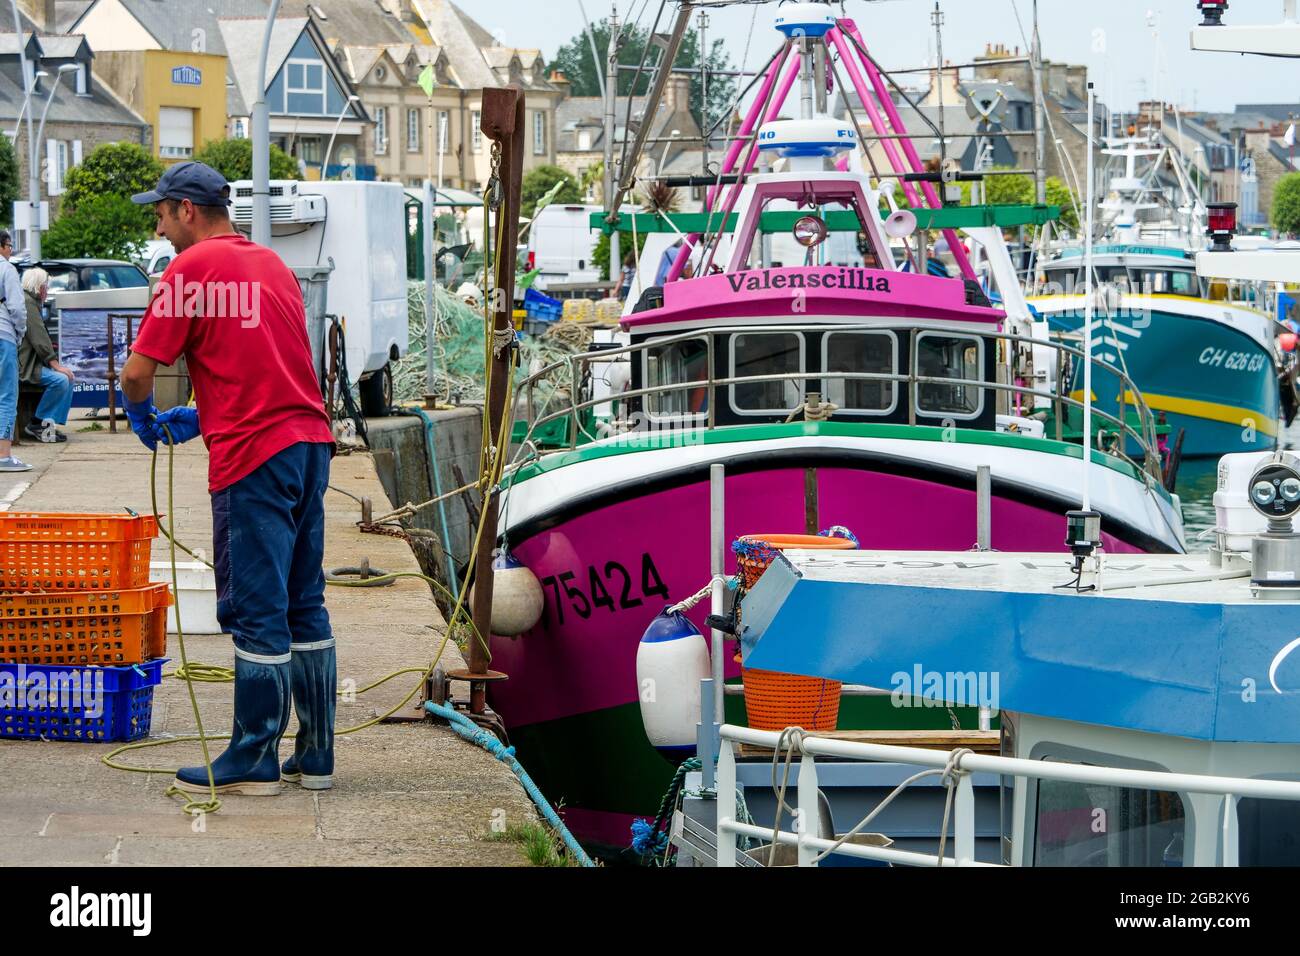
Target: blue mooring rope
pixel 489 742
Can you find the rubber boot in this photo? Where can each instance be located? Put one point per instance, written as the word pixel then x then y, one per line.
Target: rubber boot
pixel 314 679
pixel 250 764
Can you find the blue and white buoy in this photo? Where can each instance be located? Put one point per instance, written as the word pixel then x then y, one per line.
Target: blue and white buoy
pixel 671 660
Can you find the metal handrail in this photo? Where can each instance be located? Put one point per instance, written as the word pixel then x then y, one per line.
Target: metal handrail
pixel 576 364
pixel 963 763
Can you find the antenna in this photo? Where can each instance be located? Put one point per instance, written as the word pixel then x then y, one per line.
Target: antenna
pixel 1088 307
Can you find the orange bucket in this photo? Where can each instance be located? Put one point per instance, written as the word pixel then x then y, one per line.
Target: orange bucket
pixel 774 700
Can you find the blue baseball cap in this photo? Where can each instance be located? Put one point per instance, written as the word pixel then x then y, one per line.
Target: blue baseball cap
pixel 197 182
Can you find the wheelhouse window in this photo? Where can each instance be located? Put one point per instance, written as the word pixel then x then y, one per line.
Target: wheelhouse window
pixel 1169 282
pixel 1092 825
pixel 1268 832
pixel 861 352
pixel 677 363
pixel 767 353
pixel 957 357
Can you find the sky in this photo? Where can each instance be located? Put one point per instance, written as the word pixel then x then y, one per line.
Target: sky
pixel 1111 37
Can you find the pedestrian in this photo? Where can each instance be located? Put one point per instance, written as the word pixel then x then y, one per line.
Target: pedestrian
pixel 629 275
pixel 269 444
pixel 38 364
pixel 13 325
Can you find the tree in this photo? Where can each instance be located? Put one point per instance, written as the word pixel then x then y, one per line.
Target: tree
pixel 107 226
pixel 574 60
pixel 1019 190
pixel 1285 214
pixel 111 169
pixel 233 158
pixel 539 181
pixel 8 179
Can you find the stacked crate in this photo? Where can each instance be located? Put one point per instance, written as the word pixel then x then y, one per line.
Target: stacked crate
pixel 83 633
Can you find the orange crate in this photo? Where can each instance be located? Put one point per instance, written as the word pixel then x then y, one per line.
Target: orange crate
pixel 75 552
pixel 85 627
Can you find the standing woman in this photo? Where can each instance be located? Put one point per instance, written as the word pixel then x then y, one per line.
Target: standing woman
pixel 13 325
pixel 38 364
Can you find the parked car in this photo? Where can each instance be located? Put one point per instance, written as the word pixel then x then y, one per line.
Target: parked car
pixel 81 275
pixel 156 257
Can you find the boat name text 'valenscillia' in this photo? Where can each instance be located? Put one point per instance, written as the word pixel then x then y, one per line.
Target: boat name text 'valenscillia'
pixel 856 279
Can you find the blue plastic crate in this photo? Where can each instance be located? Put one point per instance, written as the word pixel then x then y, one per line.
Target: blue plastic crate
pixel 88 704
pixel 542 307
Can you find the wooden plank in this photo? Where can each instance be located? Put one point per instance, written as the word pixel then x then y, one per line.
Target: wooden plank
pixel 980 741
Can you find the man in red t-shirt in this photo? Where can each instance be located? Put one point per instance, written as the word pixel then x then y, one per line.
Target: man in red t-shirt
pixel 235 311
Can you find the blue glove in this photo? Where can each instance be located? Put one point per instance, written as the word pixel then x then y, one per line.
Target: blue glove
pixel 141 416
pixel 182 422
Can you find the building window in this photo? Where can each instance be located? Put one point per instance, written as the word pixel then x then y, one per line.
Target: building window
pixel 539 133
pixel 175 133
pixel 413 130
pixel 304 86
pixel 381 130
pixel 56 154
pixel 82 89
pixel 444 125
pixel 239 129
pixel 476 130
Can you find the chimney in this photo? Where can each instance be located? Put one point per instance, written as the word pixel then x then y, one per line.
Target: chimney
pixel 561 82
pixel 44 14
pixel 677 95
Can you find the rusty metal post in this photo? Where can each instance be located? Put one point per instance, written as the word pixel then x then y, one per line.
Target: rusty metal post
pixel 502 123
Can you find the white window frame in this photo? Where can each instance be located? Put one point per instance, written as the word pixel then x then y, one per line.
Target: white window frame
pixel 476 130
pixel 322 91
pixel 82 88
pixel 413 131
pixel 539 133
pixel 176 152
pixel 893 370
pixel 801 383
pixel 381 130
pixel 444 131
pixel 56 154
pixel 681 418
pixel 979 364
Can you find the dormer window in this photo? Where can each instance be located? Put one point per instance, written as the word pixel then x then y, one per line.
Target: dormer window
pixel 381 73
pixel 83 86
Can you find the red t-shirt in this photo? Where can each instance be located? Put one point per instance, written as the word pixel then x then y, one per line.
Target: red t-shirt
pixel 235 311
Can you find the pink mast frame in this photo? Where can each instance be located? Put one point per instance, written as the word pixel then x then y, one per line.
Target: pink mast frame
pixel 762 110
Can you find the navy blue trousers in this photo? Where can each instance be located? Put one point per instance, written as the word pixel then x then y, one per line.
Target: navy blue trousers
pixel 268 533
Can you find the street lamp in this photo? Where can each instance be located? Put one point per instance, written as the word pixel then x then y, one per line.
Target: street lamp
pixel 40 75
pixel 325 166
pixel 40 130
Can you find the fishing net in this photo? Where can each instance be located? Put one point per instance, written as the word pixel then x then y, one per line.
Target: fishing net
pixel 458 353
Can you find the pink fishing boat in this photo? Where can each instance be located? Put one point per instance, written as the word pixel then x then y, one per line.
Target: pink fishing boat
pixel 864 395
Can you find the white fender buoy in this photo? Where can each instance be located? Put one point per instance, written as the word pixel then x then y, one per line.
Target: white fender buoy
pixel 671 660
pixel 517 597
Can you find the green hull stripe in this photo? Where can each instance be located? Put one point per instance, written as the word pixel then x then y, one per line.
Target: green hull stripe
pixel 601 760
pixel 727 434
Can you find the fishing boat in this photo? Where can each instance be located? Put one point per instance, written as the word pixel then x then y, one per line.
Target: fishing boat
pixel 865 397
pixel 1204 356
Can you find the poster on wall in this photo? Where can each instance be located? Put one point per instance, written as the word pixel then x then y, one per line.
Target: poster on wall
pixel 85 344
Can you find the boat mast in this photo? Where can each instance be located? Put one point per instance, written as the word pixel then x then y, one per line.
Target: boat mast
pixel 611 97
pixel 1036 68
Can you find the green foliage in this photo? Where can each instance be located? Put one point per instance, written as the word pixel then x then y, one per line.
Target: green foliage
pixel 112 169
pixel 233 158
pixel 600 254
pixel 8 179
pixel 575 61
pixel 100 227
pixel 538 182
pixel 540 845
pixel 1285 214
pixel 1019 190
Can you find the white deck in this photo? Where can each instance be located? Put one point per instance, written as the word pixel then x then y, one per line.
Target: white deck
pixel 1181 578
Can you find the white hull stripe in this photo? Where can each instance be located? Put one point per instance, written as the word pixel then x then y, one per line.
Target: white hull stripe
pixel 263 658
